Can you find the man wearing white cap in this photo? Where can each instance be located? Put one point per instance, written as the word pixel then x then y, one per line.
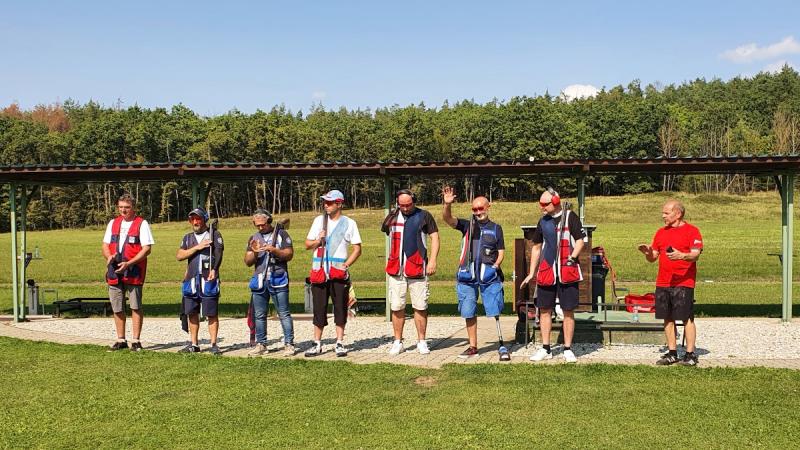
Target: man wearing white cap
pixel 329 237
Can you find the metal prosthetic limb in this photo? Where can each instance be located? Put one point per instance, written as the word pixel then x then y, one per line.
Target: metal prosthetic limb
pixel 504 355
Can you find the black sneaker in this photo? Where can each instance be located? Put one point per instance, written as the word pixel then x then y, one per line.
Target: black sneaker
pixel 340 350
pixel 469 352
pixel 136 346
pixel 214 350
pixel 667 359
pixel 689 359
pixel 190 349
pixel 119 345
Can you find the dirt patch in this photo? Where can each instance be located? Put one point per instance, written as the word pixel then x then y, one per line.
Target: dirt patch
pixel 425 381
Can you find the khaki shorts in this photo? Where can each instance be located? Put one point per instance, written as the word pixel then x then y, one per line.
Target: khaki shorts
pixel 117 297
pixel 400 287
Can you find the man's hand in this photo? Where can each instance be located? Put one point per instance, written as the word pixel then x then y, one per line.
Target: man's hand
pixel 431 268
pixel 204 244
pixel 212 275
pixel 448 195
pixel 122 266
pixel 526 280
pixel 269 249
pixel 109 259
pixel 675 255
pixel 321 235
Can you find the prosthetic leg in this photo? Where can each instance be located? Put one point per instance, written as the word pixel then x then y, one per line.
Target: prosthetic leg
pixel 504 355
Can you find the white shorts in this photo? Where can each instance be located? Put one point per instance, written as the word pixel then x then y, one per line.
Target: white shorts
pixel 400 287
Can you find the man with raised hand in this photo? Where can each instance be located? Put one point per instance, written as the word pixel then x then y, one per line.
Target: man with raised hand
pixel 202 248
pixel 409 264
pixel 269 251
pixel 676 247
pixel 126 244
pixel 329 238
pixel 482 253
pixel 557 243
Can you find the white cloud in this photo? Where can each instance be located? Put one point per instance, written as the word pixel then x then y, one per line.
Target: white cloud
pixel 319 95
pixel 777 66
pixel 574 91
pixel 752 52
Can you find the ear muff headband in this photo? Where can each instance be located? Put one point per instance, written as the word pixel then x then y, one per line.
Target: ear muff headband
pixel 556 200
pixel 264 212
pixel 406 192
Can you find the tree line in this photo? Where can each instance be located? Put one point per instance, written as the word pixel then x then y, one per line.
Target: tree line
pixel 755 115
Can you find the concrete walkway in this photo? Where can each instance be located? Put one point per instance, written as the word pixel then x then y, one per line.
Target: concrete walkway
pixel 722 342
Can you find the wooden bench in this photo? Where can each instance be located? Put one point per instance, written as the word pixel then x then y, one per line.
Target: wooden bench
pixel 82 304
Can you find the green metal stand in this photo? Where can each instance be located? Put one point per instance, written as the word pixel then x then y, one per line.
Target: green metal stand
pixel 787 235
pixel 12 200
pixel 387 203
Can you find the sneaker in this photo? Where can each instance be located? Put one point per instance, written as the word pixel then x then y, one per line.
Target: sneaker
pixel 289 350
pixel 315 350
pixel 190 349
pixel 119 345
pixel 422 347
pixel 136 346
pixel 214 350
pixel 340 350
pixel 397 347
pixel 469 352
pixel 569 356
pixel 688 360
pixel 541 354
pixel 258 350
pixel 504 355
pixel 667 359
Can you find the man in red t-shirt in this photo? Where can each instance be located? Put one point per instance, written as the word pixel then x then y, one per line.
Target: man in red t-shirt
pixel 676 246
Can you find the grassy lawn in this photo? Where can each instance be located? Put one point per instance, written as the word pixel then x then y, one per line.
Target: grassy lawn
pixel 82 397
pixel 735 268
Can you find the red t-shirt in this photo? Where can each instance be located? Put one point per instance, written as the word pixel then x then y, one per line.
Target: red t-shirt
pixel 683 239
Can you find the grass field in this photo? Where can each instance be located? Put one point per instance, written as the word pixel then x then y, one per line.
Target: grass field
pixel 82 397
pixel 740 233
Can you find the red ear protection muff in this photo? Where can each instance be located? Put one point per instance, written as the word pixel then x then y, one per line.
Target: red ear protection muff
pixel 407 192
pixel 556 200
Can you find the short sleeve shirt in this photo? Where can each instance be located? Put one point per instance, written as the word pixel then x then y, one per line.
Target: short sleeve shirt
pixel 683 239
pixel 351 234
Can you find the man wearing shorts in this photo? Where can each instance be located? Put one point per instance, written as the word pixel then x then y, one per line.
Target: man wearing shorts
pixel 482 252
pixel 676 246
pixel 126 244
pixel 329 238
pixel 557 243
pixel 202 249
pixel 409 265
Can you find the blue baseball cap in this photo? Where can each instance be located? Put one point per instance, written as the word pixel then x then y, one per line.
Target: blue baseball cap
pixel 199 212
pixel 333 196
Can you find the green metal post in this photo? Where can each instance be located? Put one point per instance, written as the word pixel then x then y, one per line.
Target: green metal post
pixel 787 229
pixel 23 218
pixel 12 200
pixel 581 199
pixel 387 202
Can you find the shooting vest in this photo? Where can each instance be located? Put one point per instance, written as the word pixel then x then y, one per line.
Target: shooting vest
pixel 134 275
pixel 478 264
pixel 557 245
pixel 408 255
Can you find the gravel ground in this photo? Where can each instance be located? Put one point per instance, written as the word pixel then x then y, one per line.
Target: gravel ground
pixel 718 339
pixel 363 334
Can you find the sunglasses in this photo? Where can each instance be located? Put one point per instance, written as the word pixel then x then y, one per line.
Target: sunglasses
pixel 479 209
pixel 330 202
pixel 405 205
pixel 544 204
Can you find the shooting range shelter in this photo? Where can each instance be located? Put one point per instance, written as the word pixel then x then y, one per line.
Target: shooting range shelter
pixel 21 178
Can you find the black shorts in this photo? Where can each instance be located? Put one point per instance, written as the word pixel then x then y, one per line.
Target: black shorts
pixel 191 305
pixel 675 303
pixel 567 296
pixel 339 293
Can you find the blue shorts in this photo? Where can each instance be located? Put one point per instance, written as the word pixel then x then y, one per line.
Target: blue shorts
pixel 492 295
pixel 191 305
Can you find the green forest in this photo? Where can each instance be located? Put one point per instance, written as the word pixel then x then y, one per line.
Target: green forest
pixel 755 115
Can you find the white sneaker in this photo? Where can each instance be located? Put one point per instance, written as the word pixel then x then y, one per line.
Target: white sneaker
pixel 541 354
pixel 289 350
pixel 570 357
pixel 258 350
pixel 397 347
pixel 422 347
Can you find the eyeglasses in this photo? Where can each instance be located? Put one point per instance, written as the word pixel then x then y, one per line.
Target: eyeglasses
pixel 405 205
pixel 479 209
pixel 330 202
pixel 544 204
pixel 259 225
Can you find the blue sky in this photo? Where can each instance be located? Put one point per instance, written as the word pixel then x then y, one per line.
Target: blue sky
pixel 215 56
